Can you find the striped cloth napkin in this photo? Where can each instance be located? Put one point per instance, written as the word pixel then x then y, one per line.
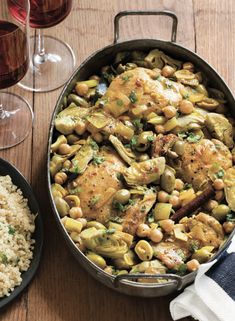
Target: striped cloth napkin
pixel 212 296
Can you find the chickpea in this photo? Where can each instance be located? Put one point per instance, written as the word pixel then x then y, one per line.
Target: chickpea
pixel 80 128
pixel 218 184
pixel 188 66
pixel 169 111
pixel 186 107
pixel 228 227
pixel 98 137
pixel 81 89
pixel 67 164
pixel 75 212
pixel 179 184
pixel 156 235
pixel 60 178
pixel 174 200
pixel 167 225
pixel 143 230
pixel 64 149
pixel 219 196
pixel 122 196
pixel 210 205
pixel 193 265
pixel 176 193
pixel 163 197
pixel 159 129
pixel 167 71
pixel 95 77
pixel 83 221
pixel 143 157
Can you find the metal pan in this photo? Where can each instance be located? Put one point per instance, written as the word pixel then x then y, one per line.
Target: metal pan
pixel 126 283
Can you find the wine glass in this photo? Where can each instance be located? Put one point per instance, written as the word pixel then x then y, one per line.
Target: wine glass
pixel 53 60
pixel 15 113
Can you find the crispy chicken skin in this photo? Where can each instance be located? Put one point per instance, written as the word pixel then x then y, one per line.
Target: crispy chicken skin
pixel 148 90
pixel 162 143
pixel 199 157
pixel 100 182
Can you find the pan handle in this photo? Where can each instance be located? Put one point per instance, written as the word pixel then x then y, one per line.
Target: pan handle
pixel 146 13
pixel 173 277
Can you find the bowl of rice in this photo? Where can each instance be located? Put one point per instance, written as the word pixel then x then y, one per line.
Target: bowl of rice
pixel 21 233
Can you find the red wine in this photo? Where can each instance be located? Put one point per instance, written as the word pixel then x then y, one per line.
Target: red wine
pixel 13 54
pixel 43 13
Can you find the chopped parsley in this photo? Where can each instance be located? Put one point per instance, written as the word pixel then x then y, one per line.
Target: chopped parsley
pixel 133 141
pixel 3 258
pixel 150 217
pixel 118 206
pixel 119 102
pixel 182 268
pixel 94 145
pixel 230 217
pixel 126 77
pixel 133 97
pixel 220 173
pixel 116 219
pixel 143 209
pixel 137 123
pixel 187 186
pixel 75 190
pixel 11 230
pixel 150 138
pixel 94 200
pixel 186 96
pixel 194 246
pixel 97 160
pixel 190 137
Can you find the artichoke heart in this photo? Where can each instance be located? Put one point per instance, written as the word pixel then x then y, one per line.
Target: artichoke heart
pixel 220 128
pixel 98 119
pixel 229 187
pixel 145 172
pixel 68 118
pixel 113 245
pixel 127 156
pixel 82 158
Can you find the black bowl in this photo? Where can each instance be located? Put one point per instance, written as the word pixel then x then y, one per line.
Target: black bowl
pixel 18 179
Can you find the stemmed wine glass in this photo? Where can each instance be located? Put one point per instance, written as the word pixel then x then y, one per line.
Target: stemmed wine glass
pixel 15 113
pixel 52 60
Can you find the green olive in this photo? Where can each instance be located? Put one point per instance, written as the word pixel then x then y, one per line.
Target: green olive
pixel 96 259
pixel 144 250
pixel 167 181
pixel 143 157
pixel 220 212
pixel 179 147
pixel 143 141
pixel 122 196
pixel 62 206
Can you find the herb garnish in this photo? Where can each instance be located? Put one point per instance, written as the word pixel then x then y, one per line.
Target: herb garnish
pixel 3 258
pixel 137 123
pixel 97 160
pixel 94 199
pixel 220 173
pixel 190 137
pixel 126 77
pixel 133 97
pixel 119 102
pixel 11 230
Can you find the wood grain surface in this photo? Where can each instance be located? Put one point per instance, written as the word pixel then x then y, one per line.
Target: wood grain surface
pixel 62 290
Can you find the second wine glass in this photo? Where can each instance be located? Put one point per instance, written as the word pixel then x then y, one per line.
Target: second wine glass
pixel 53 60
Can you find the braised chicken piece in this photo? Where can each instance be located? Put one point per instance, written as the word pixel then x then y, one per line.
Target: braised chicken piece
pixel 98 184
pixel 199 157
pixel 205 229
pixel 139 86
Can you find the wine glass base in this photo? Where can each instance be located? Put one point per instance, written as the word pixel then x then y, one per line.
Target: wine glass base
pixel 16 119
pixel 50 71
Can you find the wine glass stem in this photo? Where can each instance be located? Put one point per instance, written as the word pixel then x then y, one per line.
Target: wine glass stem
pixel 40 56
pixel 3 113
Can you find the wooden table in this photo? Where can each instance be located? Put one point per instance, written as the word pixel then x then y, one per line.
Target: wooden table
pixel 62 290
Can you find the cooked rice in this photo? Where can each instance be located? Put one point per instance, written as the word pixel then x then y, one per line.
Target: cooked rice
pixel 16 227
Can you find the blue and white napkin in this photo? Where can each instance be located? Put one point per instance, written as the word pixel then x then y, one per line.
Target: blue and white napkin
pixel 212 296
